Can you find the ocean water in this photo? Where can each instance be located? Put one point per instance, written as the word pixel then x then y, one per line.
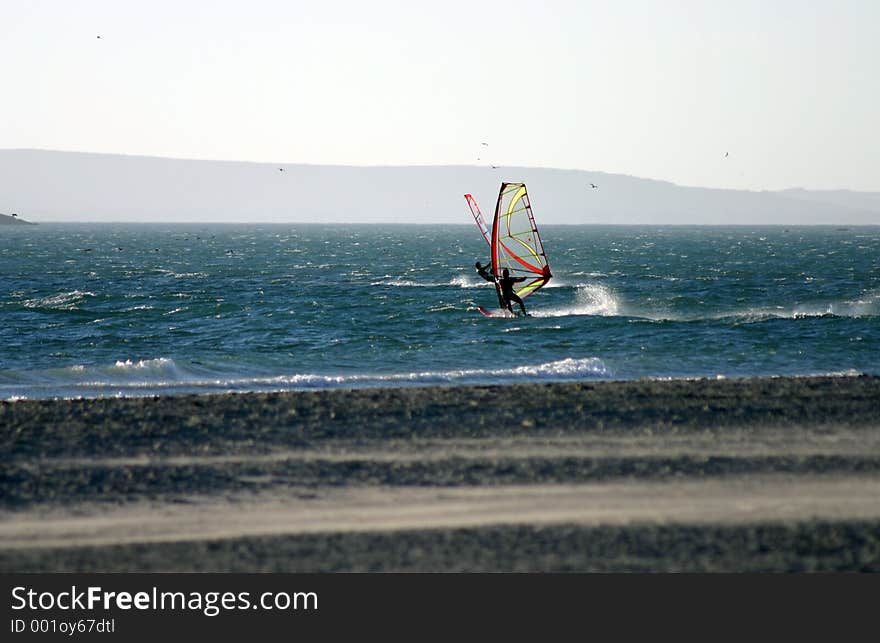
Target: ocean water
pixel 90 310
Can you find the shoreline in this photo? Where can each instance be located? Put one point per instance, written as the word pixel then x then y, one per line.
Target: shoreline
pixel 507 409
pixel 733 475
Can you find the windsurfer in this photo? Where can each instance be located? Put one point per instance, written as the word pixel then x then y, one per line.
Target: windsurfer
pixel 506 283
pixel 484 272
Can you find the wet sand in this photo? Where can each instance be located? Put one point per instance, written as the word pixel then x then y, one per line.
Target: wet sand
pixel 779 474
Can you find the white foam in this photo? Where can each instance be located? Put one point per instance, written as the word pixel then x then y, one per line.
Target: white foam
pixel 61 301
pixel 589 367
pixel 569 367
pixel 160 364
pixel 145 377
pixel 592 274
pixel 441 308
pixel 591 299
pixel 398 283
pixel 867 306
pixel 460 281
pixel 468 282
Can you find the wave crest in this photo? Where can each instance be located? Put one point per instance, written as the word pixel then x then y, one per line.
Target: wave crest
pixel 61 301
pixel 163 375
pixel 867 306
pixel 590 299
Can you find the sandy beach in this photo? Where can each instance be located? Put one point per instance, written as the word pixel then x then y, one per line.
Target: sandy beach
pixel 776 474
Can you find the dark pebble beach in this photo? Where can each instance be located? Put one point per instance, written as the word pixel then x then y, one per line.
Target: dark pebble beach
pixel 738 475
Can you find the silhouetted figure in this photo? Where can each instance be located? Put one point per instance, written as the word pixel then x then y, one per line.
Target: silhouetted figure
pixel 506 282
pixel 484 272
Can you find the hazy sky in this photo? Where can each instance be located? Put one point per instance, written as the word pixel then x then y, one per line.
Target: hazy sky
pixel 657 89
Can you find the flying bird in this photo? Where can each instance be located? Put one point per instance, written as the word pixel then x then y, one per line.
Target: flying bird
pixel 486 144
pixel 725 154
pixel 280 169
pixel 593 185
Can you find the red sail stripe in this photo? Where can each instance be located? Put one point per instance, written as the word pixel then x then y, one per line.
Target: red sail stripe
pixel 523 262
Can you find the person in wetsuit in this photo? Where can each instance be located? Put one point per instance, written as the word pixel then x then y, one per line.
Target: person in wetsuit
pixel 484 272
pixel 506 282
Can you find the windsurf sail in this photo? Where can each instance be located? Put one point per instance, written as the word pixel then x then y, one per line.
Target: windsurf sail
pixel 478 217
pixel 514 240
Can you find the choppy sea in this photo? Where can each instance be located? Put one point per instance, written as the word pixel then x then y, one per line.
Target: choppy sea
pixel 89 310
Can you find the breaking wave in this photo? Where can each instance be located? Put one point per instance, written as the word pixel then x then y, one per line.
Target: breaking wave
pixel 866 306
pixel 590 299
pixel 163 376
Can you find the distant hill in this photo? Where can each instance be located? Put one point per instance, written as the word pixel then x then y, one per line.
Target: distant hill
pixel 72 186
pixel 6 219
pixel 846 198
